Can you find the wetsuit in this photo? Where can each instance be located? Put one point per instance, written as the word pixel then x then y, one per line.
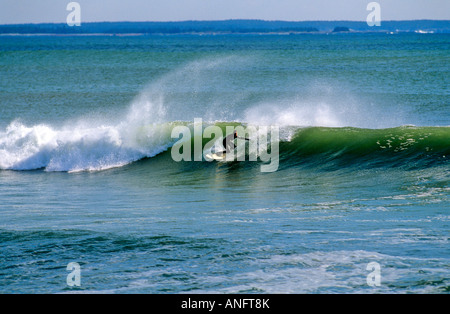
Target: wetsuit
pixel 228 142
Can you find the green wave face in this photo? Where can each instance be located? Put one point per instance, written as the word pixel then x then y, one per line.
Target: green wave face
pixel 329 148
pixel 402 146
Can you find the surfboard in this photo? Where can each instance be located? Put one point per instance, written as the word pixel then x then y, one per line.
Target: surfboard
pixel 217 156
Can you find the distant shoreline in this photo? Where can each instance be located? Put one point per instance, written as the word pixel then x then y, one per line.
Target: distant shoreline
pixel 201 34
pixel 225 27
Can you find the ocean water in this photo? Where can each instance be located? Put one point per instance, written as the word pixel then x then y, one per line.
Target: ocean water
pixel 87 175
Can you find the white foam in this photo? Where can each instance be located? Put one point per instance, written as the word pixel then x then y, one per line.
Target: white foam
pixel 316 272
pixel 84 145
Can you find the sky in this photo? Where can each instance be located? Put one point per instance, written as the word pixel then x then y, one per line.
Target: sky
pixel 54 11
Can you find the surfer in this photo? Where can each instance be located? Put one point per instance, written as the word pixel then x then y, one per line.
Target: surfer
pixel 228 142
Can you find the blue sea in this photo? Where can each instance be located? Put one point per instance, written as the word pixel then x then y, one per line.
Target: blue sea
pixel 87 174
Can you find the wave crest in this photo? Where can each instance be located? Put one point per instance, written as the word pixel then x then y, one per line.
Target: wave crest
pixel 79 148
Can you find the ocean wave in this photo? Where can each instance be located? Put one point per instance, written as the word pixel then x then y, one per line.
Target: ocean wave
pixel 406 146
pixel 94 148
